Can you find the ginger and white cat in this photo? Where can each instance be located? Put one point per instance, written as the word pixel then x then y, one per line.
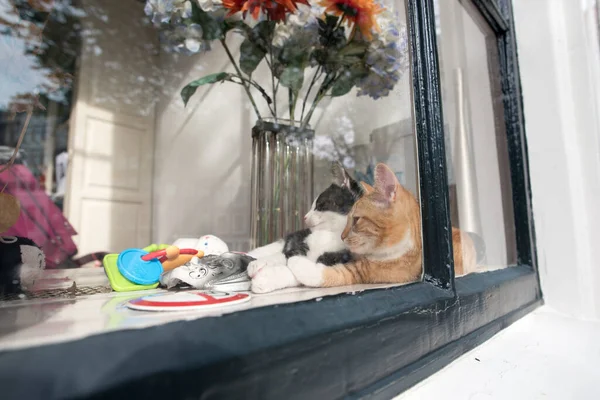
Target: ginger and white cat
pixel 383 233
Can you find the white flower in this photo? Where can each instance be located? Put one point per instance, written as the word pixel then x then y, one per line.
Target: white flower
pixel 324 148
pixel 210 5
pixel 339 145
pixel 300 29
pixel 164 11
pixel 349 162
pixel 185 39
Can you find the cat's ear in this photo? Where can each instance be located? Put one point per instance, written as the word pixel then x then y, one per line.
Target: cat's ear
pixel 342 178
pixel 339 174
pixel 386 182
pixel 367 188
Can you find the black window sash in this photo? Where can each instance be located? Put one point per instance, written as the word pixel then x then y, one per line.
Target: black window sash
pixel 438 260
pixel 517 141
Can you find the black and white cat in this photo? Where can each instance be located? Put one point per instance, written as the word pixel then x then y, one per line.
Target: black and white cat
pixel 321 242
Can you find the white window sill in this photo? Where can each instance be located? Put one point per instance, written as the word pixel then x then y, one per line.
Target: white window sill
pixel 545 355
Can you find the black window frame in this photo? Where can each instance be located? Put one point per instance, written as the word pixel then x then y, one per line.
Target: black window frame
pixel 372 344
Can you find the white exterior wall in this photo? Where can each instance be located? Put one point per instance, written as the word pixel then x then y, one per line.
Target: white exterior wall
pixel 559 74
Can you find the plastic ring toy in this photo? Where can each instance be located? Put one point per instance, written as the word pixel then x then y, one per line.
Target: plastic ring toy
pixel 135 269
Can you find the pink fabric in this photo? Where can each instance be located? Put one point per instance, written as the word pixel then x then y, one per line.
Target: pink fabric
pixel 40 220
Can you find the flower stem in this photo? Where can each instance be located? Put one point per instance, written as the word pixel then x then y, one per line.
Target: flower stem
pixel 244 84
pixel 312 83
pixel 292 103
pixel 329 80
pixel 316 101
pixel 271 67
pixel 274 94
pixel 296 95
pixel 262 91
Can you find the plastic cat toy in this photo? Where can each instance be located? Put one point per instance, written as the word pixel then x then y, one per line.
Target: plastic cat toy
pixel 225 272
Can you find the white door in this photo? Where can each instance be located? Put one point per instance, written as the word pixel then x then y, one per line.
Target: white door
pixel 111 137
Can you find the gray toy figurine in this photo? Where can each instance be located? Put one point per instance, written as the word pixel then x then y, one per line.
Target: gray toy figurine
pixel 225 272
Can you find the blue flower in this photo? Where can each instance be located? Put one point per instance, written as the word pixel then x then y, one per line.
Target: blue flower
pixel 386 59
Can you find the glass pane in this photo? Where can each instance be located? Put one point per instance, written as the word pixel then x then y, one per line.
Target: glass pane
pixel 476 144
pixel 113 159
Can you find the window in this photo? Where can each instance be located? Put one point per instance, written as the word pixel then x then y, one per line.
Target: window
pixel 478 166
pixel 140 131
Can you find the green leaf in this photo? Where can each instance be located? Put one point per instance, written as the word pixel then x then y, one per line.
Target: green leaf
pixel 255 46
pixel 342 85
pixel 263 33
pixel 292 77
pixel 239 25
pixel 354 49
pixel 346 81
pixel 211 28
pixel 189 90
pixel 278 66
pixel 331 20
pixel 351 61
pixel 250 56
pixel 294 55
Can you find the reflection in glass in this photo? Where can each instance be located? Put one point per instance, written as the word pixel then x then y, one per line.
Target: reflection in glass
pixel 80 79
pixel 478 168
pixel 113 158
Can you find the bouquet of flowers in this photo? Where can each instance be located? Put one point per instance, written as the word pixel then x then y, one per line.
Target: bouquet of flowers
pixel 336 44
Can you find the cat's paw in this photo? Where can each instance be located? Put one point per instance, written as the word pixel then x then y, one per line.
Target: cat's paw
pixel 271 261
pixel 270 279
pixel 255 266
pixel 306 272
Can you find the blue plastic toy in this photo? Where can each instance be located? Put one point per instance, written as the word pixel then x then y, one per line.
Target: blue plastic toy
pixel 136 270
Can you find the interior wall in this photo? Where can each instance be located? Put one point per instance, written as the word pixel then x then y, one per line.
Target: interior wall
pixel 558 69
pixel 202 153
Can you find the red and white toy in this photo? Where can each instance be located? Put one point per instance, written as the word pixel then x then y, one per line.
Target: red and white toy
pixel 189 300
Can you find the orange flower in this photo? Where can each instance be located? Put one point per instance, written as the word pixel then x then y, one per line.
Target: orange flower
pixel 361 13
pixel 276 10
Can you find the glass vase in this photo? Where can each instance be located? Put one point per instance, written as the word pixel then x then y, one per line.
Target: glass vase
pixel 282 179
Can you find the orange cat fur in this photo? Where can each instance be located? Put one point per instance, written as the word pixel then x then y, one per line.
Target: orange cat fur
pixel 465 255
pixel 384 234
